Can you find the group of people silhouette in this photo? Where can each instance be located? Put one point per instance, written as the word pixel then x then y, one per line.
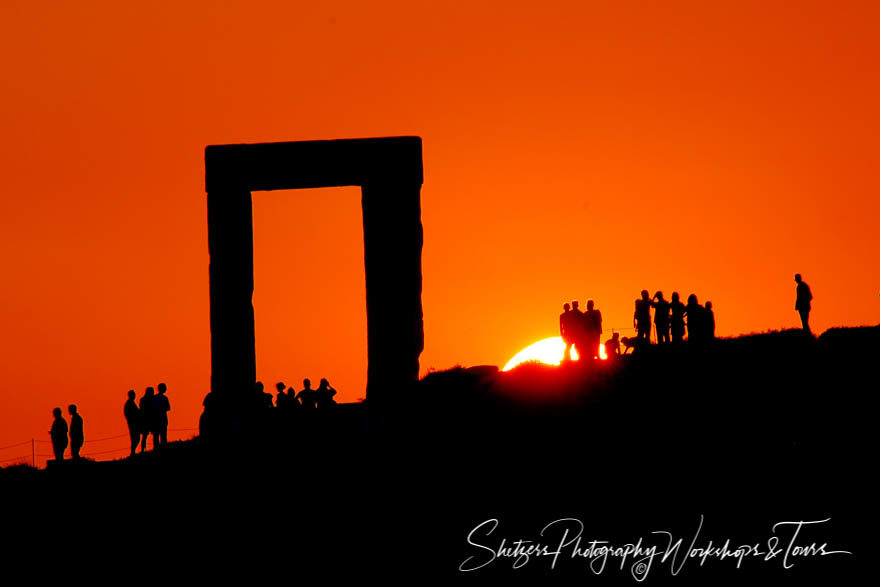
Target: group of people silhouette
pixel 672 319
pixel 148 416
pixel 582 330
pixel 306 398
pixel 60 432
pixel 266 410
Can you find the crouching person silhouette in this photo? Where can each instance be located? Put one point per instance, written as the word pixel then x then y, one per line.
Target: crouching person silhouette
pixel 612 347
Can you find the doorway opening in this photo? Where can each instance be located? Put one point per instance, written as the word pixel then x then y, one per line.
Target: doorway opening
pixel 309 289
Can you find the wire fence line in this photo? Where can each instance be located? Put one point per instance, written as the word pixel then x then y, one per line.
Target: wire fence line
pixel 18 458
pixel 14 445
pixel 33 442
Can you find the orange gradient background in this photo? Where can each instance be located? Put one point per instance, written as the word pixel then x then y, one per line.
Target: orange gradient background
pixel 572 150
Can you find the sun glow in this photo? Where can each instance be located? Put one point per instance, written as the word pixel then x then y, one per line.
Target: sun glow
pixel 548 351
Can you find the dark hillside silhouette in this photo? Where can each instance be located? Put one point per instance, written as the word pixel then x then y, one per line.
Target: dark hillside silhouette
pixel 652 440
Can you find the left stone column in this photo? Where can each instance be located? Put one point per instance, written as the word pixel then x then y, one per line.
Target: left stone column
pixel 231 275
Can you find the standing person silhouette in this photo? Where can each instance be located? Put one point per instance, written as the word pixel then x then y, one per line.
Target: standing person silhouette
pixel 58 433
pixel 565 331
pixel 292 403
pixel 324 394
pixel 76 432
pixel 661 317
pixel 642 318
pixel 262 398
pixel 281 397
pixel 802 303
pixel 592 330
pixel 306 396
pixel 676 320
pixel 710 322
pixel 576 328
pixel 163 406
pixel 133 419
pixel 148 417
pixel 695 319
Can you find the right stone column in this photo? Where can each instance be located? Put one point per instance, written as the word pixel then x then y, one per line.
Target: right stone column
pixel 393 268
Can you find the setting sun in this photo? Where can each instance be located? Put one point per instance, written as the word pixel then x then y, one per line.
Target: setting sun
pixel 548 351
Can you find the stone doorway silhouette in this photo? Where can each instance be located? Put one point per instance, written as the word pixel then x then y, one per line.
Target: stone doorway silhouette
pixel 390 174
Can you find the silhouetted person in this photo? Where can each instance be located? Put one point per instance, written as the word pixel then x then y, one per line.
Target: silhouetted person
pixel 676 318
pixel 149 423
pixel 292 402
pixel 58 433
pixel 207 426
pixel 133 419
pixel 281 397
pixel 324 395
pixel 710 322
pixel 695 319
pixel 612 346
pixel 802 303
pixel 566 331
pixel 642 318
pixel 576 328
pixel 163 406
pixel 263 398
pixel 661 317
pixel 306 396
pixel 76 432
pixel 592 329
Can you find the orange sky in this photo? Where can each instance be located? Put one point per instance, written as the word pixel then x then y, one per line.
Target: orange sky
pixel 572 150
